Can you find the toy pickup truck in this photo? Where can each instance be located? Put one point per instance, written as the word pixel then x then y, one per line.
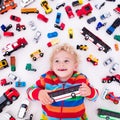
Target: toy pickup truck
pixel 9 48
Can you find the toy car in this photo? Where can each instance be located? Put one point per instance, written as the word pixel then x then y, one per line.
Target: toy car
pixel 82 47
pixel 8 34
pixel 37 36
pixel 29 10
pixel 13 77
pixel 114 68
pixel 7 116
pixel 112 97
pixel 32 25
pixel 7 5
pixel 77 2
pixel 47 8
pixel 69 11
pixel 85 10
pixel 105 15
pixel 53 42
pixel 117 37
pixel 52 34
pixel 108 61
pixel 92 19
pixel 99 25
pixel 20 27
pixel 60 5
pixel 58 16
pixel 42 17
pixel 9 48
pixel 23 109
pixel 36 54
pixel 20 84
pixel 92 59
pixel 117 9
pixel 15 18
pixel 25 3
pixel 70 33
pixel 3 64
pixel 61 26
pixel 8 97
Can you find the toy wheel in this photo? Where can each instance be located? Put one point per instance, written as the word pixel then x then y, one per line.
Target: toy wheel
pixel 88 59
pixel 73 95
pixel 86 37
pixel 103 81
pixel 7 53
pixel 8 102
pixel 34 58
pixel 14 98
pixel 41 54
pixel 107 118
pixel 100 48
pixel 115 101
pixel 12 3
pixel 109 81
pixel 22 45
pixel 95 63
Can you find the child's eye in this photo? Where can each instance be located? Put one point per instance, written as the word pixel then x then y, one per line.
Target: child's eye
pixel 56 61
pixel 66 61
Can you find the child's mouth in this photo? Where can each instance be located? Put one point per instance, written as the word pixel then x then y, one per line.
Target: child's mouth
pixel 62 69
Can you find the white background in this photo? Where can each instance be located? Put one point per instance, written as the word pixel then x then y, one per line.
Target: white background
pixel 94 73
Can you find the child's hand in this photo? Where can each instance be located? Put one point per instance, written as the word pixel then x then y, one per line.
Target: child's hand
pixel 44 97
pixel 84 90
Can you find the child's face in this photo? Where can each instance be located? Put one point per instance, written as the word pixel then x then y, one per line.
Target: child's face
pixel 63 65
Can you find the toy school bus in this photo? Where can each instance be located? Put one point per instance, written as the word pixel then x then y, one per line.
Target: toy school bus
pixel 29 10
pixel 102 46
pixel 108 115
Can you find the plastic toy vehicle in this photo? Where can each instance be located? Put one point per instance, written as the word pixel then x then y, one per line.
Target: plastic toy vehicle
pixel 29 10
pixel 13 77
pixel 52 34
pixel 5 28
pixel 29 67
pixel 3 64
pixel 64 94
pixel 60 5
pixel 116 46
pixel 7 116
pixel 37 36
pixel 20 84
pixel 21 42
pixel 99 25
pixel 13 63
pixel 105 15
pixel 20 27
pixel 15 18
pixel 36 54
pixel 32 25
pixel 70 33
pixel 117 37
pixel 102 46
pixel 69 11
pixel 108 61
pixel 8 34
pixel 108 115
pixel 30 117
pixel 23 109
pixel 112 97
pixel 112 28
pixel 24 3
pixel 82 47
pixel 53 42
pixel 61 26
pixel 117 9
pixel 58 16
pixel 8 97
pixel 47 8
pixel 90 20
pixel 6 5
pixel 92 59
pixel 3 82
pixel 77 2
pixel 85 10
pixel 114 68
pixel 99 6
pixel 42 17
pixel 104 93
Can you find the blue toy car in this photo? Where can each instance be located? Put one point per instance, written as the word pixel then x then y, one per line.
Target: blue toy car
pixel 58 16
pixel 20 84
pixel 53 34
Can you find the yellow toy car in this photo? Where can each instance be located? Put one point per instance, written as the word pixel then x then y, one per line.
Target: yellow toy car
pixel 35 55
pixel 92 59
pixel 70 32
pixel 46 7
pixel 3 63
pixel 82 47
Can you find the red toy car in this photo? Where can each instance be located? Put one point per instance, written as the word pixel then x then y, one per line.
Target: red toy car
pixel 8 97
pixel 69 11
pixel 112 97
pixel 42 17
pixel 8 34
pixel 21 42
pixel 85 10
pixel 15 18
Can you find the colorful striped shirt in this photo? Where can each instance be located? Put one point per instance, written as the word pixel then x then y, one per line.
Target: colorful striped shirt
pixel 69 108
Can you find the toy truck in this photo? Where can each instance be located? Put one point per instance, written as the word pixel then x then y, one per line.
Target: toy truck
pixel 66 93
pixel 3 64
pixel 11 47
pixel 102 46
pixel 6 5
pixel 85 10
pixel 108 114
pixel 13 63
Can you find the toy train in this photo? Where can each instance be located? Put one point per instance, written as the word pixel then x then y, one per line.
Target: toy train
pixel 66 93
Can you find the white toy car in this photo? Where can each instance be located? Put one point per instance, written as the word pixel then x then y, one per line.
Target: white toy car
pixel 14 77
pixel 23 109
pixel 24 3
pixel 108 61
pixel 114 68
pixel 37 36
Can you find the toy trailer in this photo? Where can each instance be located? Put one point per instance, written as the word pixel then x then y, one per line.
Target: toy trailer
pixel 13 63
pixel 64 94
pixel 108 115
pixel 102 46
